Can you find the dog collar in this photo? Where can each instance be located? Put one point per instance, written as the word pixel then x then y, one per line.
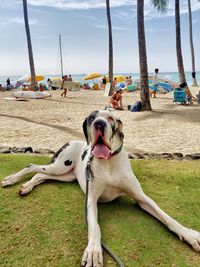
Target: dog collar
pixel 117 151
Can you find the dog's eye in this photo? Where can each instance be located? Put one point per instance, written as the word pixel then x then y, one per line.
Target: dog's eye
pixel 91 119
pixel 111 119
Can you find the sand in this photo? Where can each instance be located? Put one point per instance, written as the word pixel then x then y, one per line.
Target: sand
pixel 52 122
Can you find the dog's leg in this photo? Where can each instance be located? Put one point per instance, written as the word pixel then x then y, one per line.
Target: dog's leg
pixel 93 253
pixel 56 168
pixel 40 178
pixel 133 189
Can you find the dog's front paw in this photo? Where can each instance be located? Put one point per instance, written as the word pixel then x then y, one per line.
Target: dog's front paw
pixel 92 256
pixel 9 180
pixel 25 188
pixel 192 237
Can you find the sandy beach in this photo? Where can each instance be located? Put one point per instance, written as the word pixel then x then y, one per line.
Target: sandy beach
pixel 52 122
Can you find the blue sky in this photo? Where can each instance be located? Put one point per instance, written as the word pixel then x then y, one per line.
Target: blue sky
pixel 83 27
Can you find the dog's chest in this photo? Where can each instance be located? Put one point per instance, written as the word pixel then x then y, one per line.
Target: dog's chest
pixel 106 172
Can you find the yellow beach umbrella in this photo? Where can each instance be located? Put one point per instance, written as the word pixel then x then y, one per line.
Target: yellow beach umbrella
pixel 120 78
pixel 92 76
pixel 38 78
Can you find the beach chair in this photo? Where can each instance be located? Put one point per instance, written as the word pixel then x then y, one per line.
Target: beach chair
pixel 180 96
pixel 130 88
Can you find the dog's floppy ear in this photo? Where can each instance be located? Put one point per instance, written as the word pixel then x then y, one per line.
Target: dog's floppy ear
pixel 85 130
pixel 120 129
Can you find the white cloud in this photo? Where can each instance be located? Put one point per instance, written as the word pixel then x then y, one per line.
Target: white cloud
pixel 96 4
pixel 89 4
pixel 79 4
pixel 20 20
pixel 41 37
pixel 17 20
pixel 88 17
pixel 106 27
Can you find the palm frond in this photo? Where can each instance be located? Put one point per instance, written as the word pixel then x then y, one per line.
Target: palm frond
pixel 160 5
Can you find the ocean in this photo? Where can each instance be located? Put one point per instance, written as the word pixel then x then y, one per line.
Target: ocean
pixel 173 76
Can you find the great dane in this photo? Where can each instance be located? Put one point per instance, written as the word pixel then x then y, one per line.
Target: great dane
pixel 113 177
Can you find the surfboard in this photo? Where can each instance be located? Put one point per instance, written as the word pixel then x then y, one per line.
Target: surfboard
pixel 30 95
pixel 107 89
pixel 164 86
pixel 67 84
pixel 15 99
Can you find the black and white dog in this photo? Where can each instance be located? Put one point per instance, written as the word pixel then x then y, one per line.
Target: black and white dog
pixel 113 177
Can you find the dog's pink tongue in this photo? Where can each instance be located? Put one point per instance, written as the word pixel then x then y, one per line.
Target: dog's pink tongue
pixel 101 151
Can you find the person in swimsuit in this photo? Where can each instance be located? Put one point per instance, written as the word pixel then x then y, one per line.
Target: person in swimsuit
pixel 64 93
pixel 116 100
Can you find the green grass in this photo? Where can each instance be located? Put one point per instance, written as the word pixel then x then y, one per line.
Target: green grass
pixel 47 227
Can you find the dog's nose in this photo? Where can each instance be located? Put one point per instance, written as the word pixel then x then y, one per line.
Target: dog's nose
pixel 99 125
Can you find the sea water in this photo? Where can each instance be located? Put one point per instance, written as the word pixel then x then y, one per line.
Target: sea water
pixel 172 76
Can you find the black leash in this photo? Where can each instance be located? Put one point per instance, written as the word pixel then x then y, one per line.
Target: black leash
pixel 89 177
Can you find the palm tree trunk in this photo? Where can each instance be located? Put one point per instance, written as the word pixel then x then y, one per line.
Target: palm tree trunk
pixel 192 45
pixel 110 71
pixel 178 44
pixel 30 51
pixel 144 93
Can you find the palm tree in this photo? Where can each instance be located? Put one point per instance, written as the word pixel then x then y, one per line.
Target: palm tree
pixel 191 44
pixel 144 83
pixel 178 43
pixel 144 93
pixel 110 71
pixel 30 51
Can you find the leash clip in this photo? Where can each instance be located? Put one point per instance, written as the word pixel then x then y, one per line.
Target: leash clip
pixel 89 172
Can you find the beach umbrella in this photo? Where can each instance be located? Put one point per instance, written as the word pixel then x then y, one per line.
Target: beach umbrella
pixel 92 76
pixel 120 78
pixel 26 78
pixel 23 79
pixel 37 78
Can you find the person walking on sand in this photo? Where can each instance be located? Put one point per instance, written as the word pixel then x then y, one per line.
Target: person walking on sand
pixel 64 93
pixel 155 83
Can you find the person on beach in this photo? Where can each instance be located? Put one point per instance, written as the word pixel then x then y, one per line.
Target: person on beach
pixel 104 82
pixel 49 83
pixel 8 82
pixel 41 87
pixel 114 83
pixel 64 93
pixel 70 78
pixel 86 86
pixel 129 81
pixel 189 95
pixel 116 100
pixel 155 83
pixel 2 89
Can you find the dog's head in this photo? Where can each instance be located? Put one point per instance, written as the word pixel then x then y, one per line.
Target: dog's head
pixel 104 132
